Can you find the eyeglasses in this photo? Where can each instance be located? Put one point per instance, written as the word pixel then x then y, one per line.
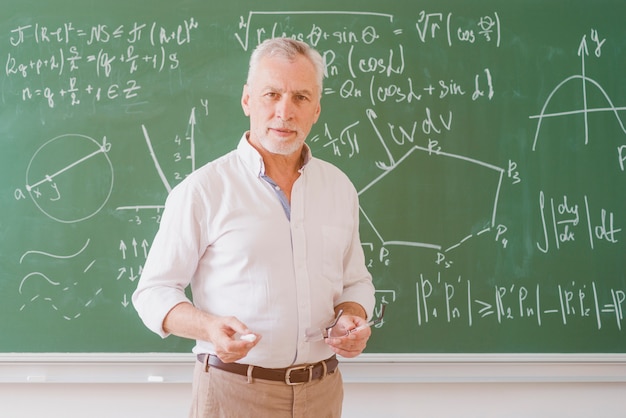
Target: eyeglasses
pixel 318 334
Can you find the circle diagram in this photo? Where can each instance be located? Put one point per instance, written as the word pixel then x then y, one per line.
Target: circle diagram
pixel 70 177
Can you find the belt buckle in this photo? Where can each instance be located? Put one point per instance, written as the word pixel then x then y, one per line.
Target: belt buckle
pixel 308 367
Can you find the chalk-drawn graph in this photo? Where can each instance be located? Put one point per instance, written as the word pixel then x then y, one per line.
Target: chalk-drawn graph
pixel 190 138
pixel 585 82
pixel 53 287
pixel 70 177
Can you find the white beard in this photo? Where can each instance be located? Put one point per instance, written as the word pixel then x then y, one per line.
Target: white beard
pixel 280 147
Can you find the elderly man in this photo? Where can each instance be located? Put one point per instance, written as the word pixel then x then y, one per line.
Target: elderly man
pixel 268 238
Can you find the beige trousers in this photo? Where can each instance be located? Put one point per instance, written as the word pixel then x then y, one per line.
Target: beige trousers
pixel 220 394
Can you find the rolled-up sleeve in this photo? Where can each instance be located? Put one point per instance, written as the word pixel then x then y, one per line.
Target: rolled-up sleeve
pixel 358 286
pixel 171 261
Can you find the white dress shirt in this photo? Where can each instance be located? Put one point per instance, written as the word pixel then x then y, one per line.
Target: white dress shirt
pixel 225 232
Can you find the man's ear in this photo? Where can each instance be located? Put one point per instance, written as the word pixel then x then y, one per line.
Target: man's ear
pixel 245 97
pixel 318 111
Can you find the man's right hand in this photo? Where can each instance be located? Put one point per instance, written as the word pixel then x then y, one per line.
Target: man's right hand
pixel 187 321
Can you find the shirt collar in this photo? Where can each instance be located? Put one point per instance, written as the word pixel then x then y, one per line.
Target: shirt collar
pixel 253 160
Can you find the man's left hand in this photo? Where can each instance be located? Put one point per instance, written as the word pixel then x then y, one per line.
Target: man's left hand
pixel 345 343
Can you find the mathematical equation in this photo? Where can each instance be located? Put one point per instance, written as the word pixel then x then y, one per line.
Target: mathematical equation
pixel 366 73
pixel 108 63
pixel 106 52
pixel 562 218
pixel 429 26
pixel 454 301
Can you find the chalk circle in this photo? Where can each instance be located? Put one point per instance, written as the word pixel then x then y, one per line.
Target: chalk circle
pixel 70 177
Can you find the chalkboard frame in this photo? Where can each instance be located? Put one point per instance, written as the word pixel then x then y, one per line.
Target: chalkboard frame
pixel 98 368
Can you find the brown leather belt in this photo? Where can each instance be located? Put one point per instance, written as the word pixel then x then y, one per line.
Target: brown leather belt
pixel 291 375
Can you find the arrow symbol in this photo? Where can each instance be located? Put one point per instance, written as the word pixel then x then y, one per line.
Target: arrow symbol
pixel 145 245
pixel 132 276
pixel 125 302
pixel 192 143
pixel 582 49
pixel 122 272
pixel 123 249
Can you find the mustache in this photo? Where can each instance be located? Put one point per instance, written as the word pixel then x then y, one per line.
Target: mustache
pixel 283 127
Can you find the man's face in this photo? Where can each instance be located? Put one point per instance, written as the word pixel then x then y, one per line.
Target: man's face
pixel 282 101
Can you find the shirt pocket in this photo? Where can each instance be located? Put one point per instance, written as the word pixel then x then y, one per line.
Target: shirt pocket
pixel 335 241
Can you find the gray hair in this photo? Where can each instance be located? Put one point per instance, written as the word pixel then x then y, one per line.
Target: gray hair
pixel 287 48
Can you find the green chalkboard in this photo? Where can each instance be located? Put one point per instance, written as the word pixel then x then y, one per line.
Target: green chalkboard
pixel 486 140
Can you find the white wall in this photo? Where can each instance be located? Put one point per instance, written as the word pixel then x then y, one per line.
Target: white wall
pixel 377 386
pixel 363 400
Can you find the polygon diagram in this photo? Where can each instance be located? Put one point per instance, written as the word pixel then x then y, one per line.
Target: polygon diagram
pixel 431 199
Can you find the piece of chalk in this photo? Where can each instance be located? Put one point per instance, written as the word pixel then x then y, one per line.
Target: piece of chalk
pixel 248 337
pixel 155 379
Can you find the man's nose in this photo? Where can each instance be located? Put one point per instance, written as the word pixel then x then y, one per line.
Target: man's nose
pixel 284 108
